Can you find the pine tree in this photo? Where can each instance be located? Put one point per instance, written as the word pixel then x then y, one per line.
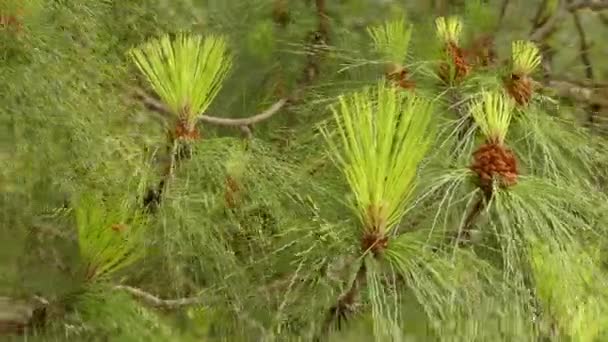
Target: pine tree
pixel 409 174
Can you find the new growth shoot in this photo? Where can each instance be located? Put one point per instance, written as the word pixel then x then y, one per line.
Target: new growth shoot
pixel 448 29
pixel 525 57
pixel 492 112
pixel 384 134
pixel 392 39
pixel 186 72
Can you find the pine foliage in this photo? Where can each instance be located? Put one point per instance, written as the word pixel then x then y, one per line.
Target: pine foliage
pixel 450 195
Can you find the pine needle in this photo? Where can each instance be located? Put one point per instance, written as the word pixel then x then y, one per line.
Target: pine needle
pixel 493 112
pixel 448 29
pixel 525 57
pixel 186 72
pixel 392 39
pixel 384 135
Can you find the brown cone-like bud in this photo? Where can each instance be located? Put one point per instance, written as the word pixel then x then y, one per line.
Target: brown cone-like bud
pixel 461 67
pixel 520 88
pixel 375 242
pixel 183 132
pixel 399 77
pixel 494 161
pixel 232 194
pixel 482 51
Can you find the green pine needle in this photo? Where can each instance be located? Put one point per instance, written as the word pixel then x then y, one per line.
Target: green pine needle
pixel 384 136
pixel 392 39
pixel 186 72
pixel 480 14
pixel 525 57
pixel 448 29
pixel 109 236
pixel 493 112
pixel 572 287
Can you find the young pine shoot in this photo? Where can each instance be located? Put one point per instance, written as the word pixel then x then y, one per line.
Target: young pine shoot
pixel 492 112
pixel 110 236
pixel 525 58
pixel 448 29
pixel 391 40
pixel 383 135
pixel 186 72
pixel 454 67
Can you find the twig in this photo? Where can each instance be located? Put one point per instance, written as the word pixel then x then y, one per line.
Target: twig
pixel 464 234
pixel 345 303
pixel 155 301
pixel 544 27
pixel 266 114
pixel 594 5
pixel 603 18
pixel 503 11
pixel 323 19
pixel 157 106
pixel 280 13
pixel 586 60
pixel 578 92
pixel 584 46
pixel 543 31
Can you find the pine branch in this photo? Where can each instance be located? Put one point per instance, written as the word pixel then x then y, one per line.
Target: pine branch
pixel 18 316
pixel 544 30
pixel 585 59
pixel 586 93
pixel 323 19
pixel 594 5
pixel 503 11
pixel 339 312
pixel 583 45
pixel 155 301
pixel 464 234
pixel 257 118
pixel 157 106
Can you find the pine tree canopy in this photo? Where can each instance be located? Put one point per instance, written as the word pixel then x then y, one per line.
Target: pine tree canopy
pixel 278 170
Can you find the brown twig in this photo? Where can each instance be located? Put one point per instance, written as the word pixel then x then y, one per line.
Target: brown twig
pixel 464 234
pixel 543 27
pixel 252 120
pixel 323 19
pixel 503 11
pixel 345 304
pixel 603 18
pixel 583 45
pixel 317 42
pixel 543 31
pixel 594 5
pixel 155 301
pixel 280 13
pixel 586 60
pixel 580 92
pixel 157 106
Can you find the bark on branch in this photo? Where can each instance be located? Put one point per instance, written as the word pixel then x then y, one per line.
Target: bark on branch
pixel 594 5
pixel 152 300
pixel 586 93
pixel 157 106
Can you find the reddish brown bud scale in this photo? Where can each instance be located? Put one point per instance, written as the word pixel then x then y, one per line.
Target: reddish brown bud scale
pixel 183 132
pixel 519 88
pixel 232 192
pixel 375 242
pixel 400 79
pixel 482 51
pixel 495 161
pixel 461 67
pixel 118 227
